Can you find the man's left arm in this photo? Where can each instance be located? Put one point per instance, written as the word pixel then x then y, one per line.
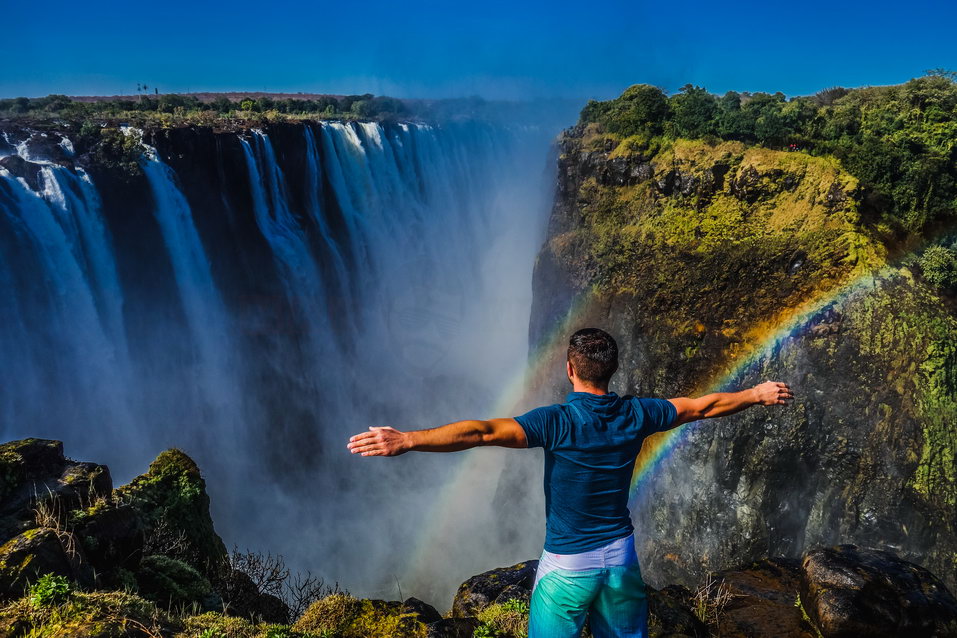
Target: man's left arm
pixel 461 435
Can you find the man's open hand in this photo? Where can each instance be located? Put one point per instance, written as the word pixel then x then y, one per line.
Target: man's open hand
pixel 379 441
pixel 772 393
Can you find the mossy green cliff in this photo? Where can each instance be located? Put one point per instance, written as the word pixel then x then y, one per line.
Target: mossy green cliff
pixel 718 263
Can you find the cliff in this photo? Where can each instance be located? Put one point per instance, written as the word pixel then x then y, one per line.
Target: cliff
pixel 720 263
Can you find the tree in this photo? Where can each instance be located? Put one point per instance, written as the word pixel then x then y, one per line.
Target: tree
pixel 693 112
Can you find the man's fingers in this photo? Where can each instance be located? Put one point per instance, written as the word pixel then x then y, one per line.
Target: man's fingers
pixel 361 449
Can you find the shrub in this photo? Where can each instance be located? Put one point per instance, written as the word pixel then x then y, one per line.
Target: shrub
pixel 939 265
pixel 49 590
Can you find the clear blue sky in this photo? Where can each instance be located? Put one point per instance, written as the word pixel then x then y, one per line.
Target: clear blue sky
pixel 418 48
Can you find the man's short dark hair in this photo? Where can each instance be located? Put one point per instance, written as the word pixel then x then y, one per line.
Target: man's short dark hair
pixel 594 355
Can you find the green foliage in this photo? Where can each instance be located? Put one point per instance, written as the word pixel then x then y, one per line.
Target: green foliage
pixel 486 631
pixel 505 620
pixel 158 109
pixel 900 141
pixel 170 581
pixel 118 151
pixel 343 616
pixel 98 614
pixel 50 589
pixel 515 605
pixel 939 265
pixel 641 109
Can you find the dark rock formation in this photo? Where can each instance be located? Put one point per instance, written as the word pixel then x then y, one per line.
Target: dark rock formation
pixel 35 552
pixel 172 502
pixel 761 601
pixel 39 486
pixel 855 593
pixel 484 589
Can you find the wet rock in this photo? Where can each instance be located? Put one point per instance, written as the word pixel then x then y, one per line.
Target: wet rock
pixel 761 601
pixel 482 590
pixel 851 592
pixel 27 171
pixel 518 592
pixel 27 556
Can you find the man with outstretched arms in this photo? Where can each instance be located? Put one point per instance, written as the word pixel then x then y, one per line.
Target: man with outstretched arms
pixel 589 567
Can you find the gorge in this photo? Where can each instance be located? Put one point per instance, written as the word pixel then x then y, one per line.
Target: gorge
pixel 254 296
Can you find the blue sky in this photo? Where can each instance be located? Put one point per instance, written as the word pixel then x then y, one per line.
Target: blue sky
pixel 419 48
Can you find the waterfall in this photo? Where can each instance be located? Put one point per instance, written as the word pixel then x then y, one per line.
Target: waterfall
pixel 256 297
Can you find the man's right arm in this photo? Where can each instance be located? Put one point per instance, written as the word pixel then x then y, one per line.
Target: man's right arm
pixel 720 404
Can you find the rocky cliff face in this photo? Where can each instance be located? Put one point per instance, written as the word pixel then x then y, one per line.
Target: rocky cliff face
pixel 722 265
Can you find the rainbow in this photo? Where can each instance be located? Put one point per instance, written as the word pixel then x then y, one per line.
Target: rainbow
pixel 656 448
pixel 476 467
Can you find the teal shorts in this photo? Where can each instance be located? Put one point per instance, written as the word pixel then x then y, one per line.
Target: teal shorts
pixel 611 598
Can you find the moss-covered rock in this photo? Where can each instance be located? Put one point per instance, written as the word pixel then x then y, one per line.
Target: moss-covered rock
pixel 38 485
pixel 172 501
pixel 343 616
pixel 27 556
pixel 86 615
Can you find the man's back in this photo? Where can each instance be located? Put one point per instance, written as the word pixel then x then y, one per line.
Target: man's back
pixel 591 443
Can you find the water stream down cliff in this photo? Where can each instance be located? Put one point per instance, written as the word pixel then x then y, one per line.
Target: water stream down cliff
pixel 254 297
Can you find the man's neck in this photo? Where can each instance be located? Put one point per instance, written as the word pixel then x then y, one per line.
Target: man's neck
pixel 578 386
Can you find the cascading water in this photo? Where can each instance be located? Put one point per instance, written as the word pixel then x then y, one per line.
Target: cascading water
pixel 254 298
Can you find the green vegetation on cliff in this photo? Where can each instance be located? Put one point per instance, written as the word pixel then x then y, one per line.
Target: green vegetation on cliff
pixel 898 140
pixel 729 239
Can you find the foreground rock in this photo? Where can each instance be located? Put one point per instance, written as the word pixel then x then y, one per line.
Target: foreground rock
pixel 853 593
pixel 154 535
pixel 480 591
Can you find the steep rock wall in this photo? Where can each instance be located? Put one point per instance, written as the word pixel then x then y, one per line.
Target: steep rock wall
pixel 717 266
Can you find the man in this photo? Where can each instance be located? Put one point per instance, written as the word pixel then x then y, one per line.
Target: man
pixel 589 567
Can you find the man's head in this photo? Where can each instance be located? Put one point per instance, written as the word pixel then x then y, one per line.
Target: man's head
pixel 592 356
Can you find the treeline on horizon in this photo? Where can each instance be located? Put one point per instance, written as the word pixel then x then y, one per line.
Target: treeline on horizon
pixel 366 106
pixel 900 141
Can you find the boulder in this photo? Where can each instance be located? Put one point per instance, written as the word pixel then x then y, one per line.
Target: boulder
pixel 39 486
pixel 27 171
pixel 35 552
pixel 760 600
pixel 850 592
pixel 480 591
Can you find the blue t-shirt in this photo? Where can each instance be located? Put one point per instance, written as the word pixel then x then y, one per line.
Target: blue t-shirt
pixel 591 442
